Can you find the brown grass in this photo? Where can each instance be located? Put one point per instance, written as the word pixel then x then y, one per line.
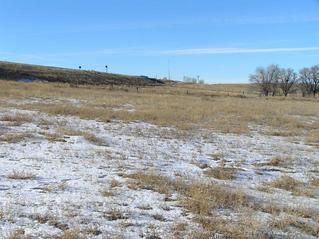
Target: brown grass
pixel 16 234
pixel 170 106
pixel 217 156
pixel 280 161
pixel 70 234
pixel 312 138
pixel 14 137
pixel 16 119
pixel 54 137
pixel 286 182
pixel 94 139
pixel 201 198
pixel 314 181
pixel 151 181
pixel 114 214
pixel 107 192
pixel 198 197
pixel 297 187
pixel 178 229
pixel 284 222
pixel 222 173
pixel 247 227
pixel 1 214
pixel 21 175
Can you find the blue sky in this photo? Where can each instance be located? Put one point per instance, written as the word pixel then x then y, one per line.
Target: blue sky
pixel 221 41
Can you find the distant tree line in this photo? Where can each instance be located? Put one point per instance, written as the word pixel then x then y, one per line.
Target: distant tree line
pixel 193 80
pixel 274 80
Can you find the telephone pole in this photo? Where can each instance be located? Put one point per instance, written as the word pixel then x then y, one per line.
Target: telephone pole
pixel 169 70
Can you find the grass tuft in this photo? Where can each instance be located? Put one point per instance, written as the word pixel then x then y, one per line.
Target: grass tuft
pixel 21 175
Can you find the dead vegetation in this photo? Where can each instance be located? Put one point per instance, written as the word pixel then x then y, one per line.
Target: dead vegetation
pixel 280 161
pixel 222 173
pixel 312 138
pixel 114 214
pixel 16 234
pixel 286 182
pixel 70 234
pixel 21 175
pixel 94 139
pixel 295 186
pixel 247 227
pixel 198 197
pixel 314 181
pixel 14 137
pixel 205 199
pixel 171 106
pixel 285 222
pixel 16 119
pixel 54 137
pixel 208 202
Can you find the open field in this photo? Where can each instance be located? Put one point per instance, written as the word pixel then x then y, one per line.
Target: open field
pixel 178 161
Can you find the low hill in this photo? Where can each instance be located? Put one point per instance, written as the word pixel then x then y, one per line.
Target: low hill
pixel 28 73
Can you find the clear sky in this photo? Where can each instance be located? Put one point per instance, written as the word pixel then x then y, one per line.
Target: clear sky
pixel 222 41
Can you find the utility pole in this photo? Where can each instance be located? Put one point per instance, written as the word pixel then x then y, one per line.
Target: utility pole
pixel 169 70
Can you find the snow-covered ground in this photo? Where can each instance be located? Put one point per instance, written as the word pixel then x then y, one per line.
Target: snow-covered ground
pixel 70 174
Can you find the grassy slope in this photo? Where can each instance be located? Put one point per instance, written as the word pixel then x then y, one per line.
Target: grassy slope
pixel 15 71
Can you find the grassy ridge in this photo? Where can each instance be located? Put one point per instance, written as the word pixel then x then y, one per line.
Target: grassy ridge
pixel 15 71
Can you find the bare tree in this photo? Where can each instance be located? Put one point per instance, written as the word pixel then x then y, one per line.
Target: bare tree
pixel 309 80
pixel 266 79
pixel 287 80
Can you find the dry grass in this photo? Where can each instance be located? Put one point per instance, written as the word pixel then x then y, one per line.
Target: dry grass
pixel 264 188
pixel 286 182
pixel 70 234
pixel 114 214
pixel 247 227
pixel 210 107
pixel 314 181
pixel 94 139
pixel 178 230
pixel 151 181
pixel 170 105
pixel 222 173
pixel 109 191
pixel 280 161
pixel 297 187
pixel 14 137
pixel 201 198
pixel 54 137
pixel 67 131
pixel 312 138
pixel 21 175
pixel 16 119
pixel 53 187
pixel 114 183
pixel 16 234
pixel 1 214
pixel 284 222
pixel 198 197
pixel 217 156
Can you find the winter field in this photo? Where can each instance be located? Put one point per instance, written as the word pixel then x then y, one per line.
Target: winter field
pixel 180 161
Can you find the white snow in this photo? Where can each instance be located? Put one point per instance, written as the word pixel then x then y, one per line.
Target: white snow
pixel 70 175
